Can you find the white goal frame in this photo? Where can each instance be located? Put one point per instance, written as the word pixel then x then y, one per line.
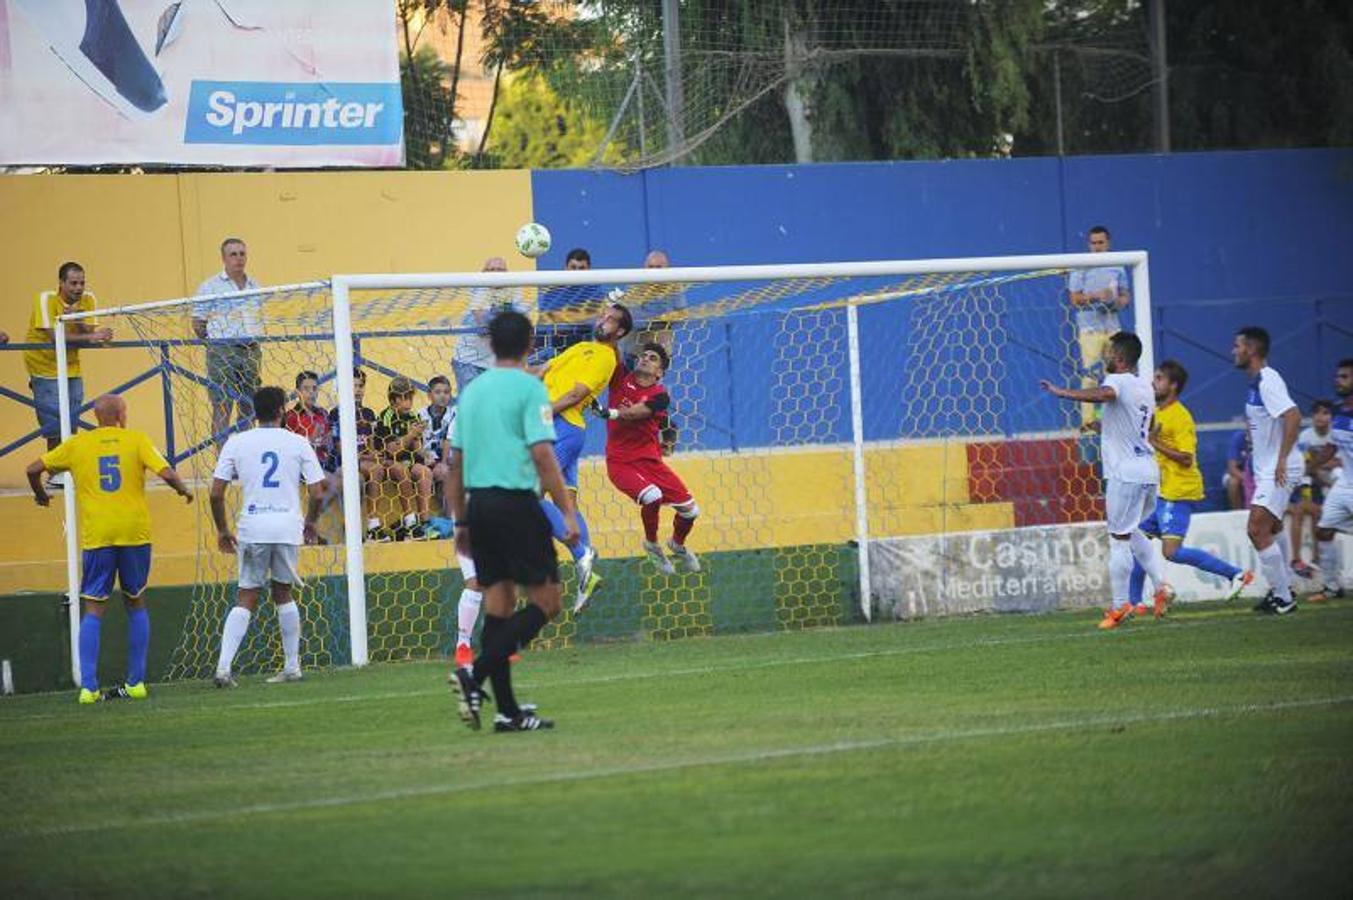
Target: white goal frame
pixel 341 287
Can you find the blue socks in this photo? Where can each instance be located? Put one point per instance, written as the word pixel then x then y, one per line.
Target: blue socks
pixel 91 629
pixel 138 643
pixel 1201 559
pixel 556 518
pixel 1184 556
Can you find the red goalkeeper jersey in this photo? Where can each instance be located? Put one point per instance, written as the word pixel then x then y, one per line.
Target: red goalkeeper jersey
pixel 635 439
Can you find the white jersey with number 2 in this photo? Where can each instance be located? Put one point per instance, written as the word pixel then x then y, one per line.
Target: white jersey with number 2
pixel 1126 429
pixel 270 464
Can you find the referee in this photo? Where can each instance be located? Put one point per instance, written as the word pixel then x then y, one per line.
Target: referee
pixel 502 443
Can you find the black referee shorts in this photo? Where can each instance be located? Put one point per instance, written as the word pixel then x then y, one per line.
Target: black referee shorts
pixel 510 538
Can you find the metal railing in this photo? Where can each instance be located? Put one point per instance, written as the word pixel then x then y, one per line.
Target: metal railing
pixel 165 369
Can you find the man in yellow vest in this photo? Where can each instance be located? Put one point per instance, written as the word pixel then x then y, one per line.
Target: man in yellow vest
pixel 69 297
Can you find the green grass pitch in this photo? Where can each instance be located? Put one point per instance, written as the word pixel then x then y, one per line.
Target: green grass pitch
pixel 1207 755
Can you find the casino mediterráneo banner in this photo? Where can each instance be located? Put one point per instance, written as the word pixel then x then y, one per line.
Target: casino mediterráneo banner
pixel 1042 568
pixel 288 83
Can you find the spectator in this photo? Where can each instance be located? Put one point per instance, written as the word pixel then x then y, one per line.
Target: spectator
pixel 399 440
pixel 311 421
pixel 1239 477
pixel 232 327
pixel 437 417
pixel 561 306
pixel 1098 295
pixel 70 296
pixel 369 468
pixel 473 356
pixel 1309 496
pixel 4 338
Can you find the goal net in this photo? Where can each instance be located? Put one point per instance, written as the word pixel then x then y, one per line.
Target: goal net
pixel 862 440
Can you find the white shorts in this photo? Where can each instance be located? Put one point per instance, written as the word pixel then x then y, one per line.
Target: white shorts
pixel 1337 514
pixel 260 563
pixel 1271 497
pixel 1127 504
pixel 467 570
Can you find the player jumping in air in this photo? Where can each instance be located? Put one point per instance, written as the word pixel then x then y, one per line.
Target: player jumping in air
pixel 635 419
pixel 1130 471
pixel 573 379
pixel 1181 486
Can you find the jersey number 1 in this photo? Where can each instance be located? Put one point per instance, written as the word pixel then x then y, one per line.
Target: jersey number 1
pixel 271 461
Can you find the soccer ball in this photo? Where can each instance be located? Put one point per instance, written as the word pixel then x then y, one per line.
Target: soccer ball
pixel 533 239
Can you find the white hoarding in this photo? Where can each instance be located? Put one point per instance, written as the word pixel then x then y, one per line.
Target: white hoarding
pixel 1043 568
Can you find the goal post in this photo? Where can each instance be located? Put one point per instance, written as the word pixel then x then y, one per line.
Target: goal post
pixel 843 426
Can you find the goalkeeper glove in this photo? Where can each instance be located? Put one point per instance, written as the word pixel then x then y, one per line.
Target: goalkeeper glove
pixel 602 412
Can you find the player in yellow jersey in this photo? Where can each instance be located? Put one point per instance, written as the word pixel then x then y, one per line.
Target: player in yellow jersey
pixel 1181 485
pixel 573 379
pixel 108 467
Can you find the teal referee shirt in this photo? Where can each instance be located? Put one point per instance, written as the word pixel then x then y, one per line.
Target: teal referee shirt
pixel 500 415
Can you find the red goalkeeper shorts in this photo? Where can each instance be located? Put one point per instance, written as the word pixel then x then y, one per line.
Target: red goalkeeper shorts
pixel 636 477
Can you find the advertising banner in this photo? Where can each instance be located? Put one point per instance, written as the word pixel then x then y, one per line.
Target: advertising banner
pixel 283 83
pixel 1044 568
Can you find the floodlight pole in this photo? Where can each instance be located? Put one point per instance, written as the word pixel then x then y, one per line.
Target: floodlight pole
pixel 671 50
pixel 1161 80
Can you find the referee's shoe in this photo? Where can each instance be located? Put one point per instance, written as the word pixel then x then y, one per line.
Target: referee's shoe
pixel 469 696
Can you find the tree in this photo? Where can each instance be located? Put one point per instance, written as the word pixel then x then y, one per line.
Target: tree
pixel 537 130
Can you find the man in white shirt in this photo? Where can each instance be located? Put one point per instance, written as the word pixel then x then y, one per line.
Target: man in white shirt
pixel 1308 496
pixel 1098 295
pixel 270 463
pixel 232 327
pixel 1337 514
pixel 1130 471
pixel 1274 421
pixel 473 355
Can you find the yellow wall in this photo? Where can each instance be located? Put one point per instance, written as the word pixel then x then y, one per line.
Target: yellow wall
pixel 146 237
pixel 748 500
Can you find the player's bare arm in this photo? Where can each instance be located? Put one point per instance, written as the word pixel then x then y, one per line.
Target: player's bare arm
pixel 1163 447
pixel 552 481
pixel 34 473
pixel 1291 428
pixel 225 538
pixel 310 532
pixel 575 395
pixel 170 476
pixel 1103 394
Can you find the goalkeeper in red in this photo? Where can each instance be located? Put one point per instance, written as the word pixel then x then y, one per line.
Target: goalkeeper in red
pixel 637 413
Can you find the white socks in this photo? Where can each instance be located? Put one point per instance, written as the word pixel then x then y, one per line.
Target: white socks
pixel 1284 542
pixel 1275 569
pixel 1120 570
pixel 289 620
pixel 1145 552
pixel 1330 564
pixel 237 626
pixel 467 613
pixel 232 635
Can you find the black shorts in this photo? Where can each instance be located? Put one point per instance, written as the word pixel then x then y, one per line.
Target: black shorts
pixel 510 538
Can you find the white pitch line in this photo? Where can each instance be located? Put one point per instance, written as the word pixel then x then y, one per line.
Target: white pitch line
pixel 812 750
pixel 696 671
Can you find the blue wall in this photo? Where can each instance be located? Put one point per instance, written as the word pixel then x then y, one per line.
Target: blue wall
pixel 1235 238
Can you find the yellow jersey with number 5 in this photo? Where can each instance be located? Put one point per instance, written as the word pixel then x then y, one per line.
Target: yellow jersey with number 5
pixel 108 466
